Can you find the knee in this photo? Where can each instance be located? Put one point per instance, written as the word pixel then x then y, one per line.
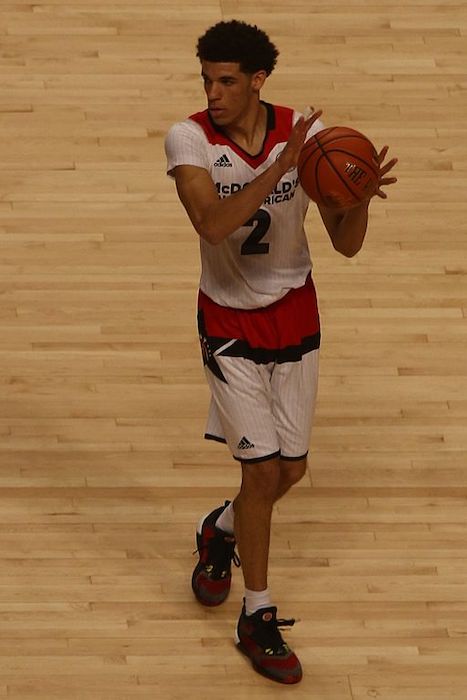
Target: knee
pixel 293 471
pixel 261 479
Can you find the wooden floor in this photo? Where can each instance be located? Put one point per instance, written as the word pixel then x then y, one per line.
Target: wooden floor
pixel 103 469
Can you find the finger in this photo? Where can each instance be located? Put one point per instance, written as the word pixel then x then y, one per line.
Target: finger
pixel 380 193
pixel 300 128
pixel 303 125
pixel 389 166
pixel 384 183
pixel 314 117
pixel 382 154
pixel 387 181
pixel 310 115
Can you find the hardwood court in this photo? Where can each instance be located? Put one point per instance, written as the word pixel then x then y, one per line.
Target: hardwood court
pixel 103 469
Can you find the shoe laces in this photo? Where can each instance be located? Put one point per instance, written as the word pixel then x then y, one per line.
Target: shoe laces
pixel 221 553
pixel 268 636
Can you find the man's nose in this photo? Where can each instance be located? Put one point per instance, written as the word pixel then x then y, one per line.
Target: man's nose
pixel 214 91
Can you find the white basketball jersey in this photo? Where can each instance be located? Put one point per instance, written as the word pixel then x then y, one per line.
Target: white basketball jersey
pixel 262 260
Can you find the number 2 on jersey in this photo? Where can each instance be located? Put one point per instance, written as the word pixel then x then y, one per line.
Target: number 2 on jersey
pixel 254 245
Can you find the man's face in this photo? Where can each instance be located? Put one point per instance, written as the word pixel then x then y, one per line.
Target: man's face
pixel 229 91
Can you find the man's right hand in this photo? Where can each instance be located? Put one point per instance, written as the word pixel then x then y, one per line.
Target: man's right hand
pixel 289 156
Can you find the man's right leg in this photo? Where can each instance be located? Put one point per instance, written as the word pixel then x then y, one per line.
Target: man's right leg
pixel 211 578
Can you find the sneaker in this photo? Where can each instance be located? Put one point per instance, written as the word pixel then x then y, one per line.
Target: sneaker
pixel 212 576
pixel 259 638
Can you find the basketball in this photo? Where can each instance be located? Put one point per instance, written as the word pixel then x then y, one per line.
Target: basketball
pixel 338 167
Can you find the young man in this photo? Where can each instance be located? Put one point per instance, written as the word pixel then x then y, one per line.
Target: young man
pixel 234 166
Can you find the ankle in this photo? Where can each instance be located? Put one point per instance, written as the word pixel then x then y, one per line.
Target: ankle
pixel 225 521
pixel 255 600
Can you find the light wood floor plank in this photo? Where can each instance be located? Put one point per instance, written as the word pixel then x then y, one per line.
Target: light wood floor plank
pixel 103 469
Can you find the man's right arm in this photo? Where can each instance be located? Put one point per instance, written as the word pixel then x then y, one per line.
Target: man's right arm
pixel 213 218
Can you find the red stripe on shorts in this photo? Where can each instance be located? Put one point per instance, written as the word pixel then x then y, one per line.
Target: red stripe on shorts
pixel 280 325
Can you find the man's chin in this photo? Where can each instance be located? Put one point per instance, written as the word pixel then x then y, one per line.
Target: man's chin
pixel 218 116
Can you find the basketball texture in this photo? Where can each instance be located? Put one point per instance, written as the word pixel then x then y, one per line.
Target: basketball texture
pixel 338 167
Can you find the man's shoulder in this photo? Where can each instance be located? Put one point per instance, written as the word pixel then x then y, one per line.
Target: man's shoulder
pixel 203 121
pixel 283 112
pixel 280 121
pixel 197 126
pixel 201 118
pixel 186 126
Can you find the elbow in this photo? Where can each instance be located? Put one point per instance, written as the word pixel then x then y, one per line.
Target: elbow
pixel 211 226
pixel 348 251
pixel 348 243
pixel 209 233
pixel 349 233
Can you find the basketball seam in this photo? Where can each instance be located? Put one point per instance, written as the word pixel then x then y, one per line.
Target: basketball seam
pixel 317 178
pixel 324 140
pixel 336 171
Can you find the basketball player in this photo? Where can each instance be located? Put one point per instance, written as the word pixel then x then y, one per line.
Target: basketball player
pixel 234 166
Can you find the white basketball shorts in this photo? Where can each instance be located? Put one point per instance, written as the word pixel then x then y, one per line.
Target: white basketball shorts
pixel 262 369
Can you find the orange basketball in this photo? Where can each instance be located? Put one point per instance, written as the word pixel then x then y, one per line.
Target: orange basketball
pixel 338 167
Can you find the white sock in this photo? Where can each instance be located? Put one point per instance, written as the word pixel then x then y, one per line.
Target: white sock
pixel 225 521
pixel 255 600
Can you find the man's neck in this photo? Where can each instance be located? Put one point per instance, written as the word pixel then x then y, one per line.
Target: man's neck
pixel 249 132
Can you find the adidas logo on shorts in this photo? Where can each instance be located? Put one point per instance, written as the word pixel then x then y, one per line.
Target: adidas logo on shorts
pixel 244 444
pixel 223 162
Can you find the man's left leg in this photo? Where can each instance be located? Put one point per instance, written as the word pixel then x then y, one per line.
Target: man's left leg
pixel 218 529
pixel 258 633
pixel 291 471
pixel 263 484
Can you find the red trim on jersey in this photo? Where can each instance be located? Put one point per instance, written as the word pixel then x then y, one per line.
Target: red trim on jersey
pixel 280 325
pixel 279 126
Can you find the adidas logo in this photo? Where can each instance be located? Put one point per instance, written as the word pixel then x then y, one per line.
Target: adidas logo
pixel 244 444
pixel 223 162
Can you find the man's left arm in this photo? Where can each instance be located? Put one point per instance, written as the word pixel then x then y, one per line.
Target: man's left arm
pixel 347 227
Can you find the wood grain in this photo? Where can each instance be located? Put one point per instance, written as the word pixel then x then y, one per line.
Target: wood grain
pixel 103 469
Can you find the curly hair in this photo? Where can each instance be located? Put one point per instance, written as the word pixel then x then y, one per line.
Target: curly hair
pixel 238 42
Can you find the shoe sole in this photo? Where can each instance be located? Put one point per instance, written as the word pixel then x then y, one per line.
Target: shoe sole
pixel 203 601
pixel 259 669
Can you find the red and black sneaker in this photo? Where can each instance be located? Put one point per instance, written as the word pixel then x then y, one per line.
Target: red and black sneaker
pixel 212 575
pixel 258 637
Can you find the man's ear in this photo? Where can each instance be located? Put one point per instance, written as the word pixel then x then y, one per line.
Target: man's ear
pixel 258 80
